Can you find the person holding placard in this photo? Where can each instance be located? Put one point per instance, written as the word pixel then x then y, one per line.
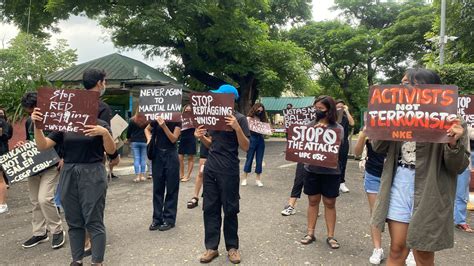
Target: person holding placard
pixel 221 182
pixel 6 133
pixel 418 186
pixel 322 182
pixel 372 166
pixel 163 136
pixel 187 146
pixel 136 138
pixel 257 146
pixel 83 176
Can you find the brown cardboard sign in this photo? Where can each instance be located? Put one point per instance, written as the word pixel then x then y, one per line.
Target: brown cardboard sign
pixel 299 116
pixel 210 110
pixel 67 110
pixel 314 145
pixel 186 121
pixel 466 108
pixel 257 126
pixel 419 113
pixel 162 101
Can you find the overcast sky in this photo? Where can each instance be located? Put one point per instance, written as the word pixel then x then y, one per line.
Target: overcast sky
pixel 92 41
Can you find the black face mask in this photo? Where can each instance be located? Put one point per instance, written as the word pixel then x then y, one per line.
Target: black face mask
pixel 259 113
pixel 320 115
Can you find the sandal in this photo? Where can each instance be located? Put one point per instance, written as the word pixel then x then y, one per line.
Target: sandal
pixel 136 179
pixel 307 239
pixel 193 203
pixel 185 179
pixel 465 227
pixel 149 176
pixel 142 178
pixel 332 243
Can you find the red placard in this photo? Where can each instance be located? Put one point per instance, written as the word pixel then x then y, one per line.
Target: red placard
pixel 466 109
pixel 67 110
pixel 314 145
pixel 210 110
pixel 419 113
pixel 186 121
pixel 257 126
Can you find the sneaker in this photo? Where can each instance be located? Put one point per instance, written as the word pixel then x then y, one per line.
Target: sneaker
pixel 244 182
pixel 35 240
pixel 258 183
pixel 410 260
pixel 377 256
pixel 58 240
pixel 3 208
pixel 288 210
pixel 343 188
pixel 208 256
pixel 165 226
pixel 234 256
pixel 113 176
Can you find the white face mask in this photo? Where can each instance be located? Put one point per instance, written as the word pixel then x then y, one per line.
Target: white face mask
pixel 102 91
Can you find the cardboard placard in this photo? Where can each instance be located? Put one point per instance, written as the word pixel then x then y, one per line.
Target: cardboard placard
pixel 163 101
pixel 466 109
pixel 117 125
pixel 186 121
pixel 26 160
pixel 314 145
pixel 419 113
pixel 299 116
pixel 210 110
pixel 257 126
pixel 67 110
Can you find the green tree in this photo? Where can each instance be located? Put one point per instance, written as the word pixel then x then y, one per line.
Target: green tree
pixel 215 41
pixel 24 64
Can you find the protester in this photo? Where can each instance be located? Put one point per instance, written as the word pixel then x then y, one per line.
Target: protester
pixel 187 146
pixel 373 166
pixel 42 187
pixel 257 146
pixel 462 192
pixel 6 133
pixel 295 191
pixel 427 170
pixel 83 176
pixel 221 182
pixel 321 182
pixel 136 138
pixel 346 122
pixel 203 152
pixel 163 136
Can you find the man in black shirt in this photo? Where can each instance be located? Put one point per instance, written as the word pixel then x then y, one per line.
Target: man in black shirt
pixel 346 122
pixel 221 182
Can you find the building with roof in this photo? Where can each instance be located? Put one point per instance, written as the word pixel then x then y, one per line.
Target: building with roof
pixel 125 77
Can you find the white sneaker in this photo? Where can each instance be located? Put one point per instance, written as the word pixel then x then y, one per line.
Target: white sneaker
pixel 343 188
pixel 410 260
pixel 244 182
pixel 288 210
pixel 258 183
pixel 377 256
pixel 3 208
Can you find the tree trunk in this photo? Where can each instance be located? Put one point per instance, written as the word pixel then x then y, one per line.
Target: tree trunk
pixel 248 93
pixel 370 72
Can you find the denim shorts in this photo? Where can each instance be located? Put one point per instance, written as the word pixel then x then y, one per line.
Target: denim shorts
pixel 371 183
pixel 402 195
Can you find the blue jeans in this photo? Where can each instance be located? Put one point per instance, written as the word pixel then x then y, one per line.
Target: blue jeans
pixel 462 197
pixel 139 157
pixel 257 148
pixel 57 196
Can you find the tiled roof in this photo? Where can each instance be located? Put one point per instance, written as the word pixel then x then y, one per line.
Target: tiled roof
pixel 278 104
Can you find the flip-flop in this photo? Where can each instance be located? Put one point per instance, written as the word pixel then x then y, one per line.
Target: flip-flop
pixel 193 203
pixel 307 239
pixel 332 243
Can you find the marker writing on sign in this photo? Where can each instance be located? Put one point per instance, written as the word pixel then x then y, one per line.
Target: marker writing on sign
pixel 314 139
pixel 205 112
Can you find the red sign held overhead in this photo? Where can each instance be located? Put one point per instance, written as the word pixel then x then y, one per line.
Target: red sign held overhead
pixel 419 113
pixel 314 145
pixel 67 110
pixel 210 110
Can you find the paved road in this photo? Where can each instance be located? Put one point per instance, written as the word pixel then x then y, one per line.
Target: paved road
pixel 266 236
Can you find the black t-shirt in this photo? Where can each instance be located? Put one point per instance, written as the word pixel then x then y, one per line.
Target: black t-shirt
pixel 345 124
pixel 188 133
pixel 7 133
pixel 30 135
pixel 374 162
pixel 105 113
pixel 135 133
pixel 78 148
pixel 224 151
pixel 162 141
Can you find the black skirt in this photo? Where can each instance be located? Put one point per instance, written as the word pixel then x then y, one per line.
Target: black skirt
pixel 187 144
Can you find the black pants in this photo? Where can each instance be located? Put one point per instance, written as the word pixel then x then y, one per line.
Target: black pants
pixel 84 188
pixel 220 191
pixel 344 151
pixel 165 173
pixel 299 181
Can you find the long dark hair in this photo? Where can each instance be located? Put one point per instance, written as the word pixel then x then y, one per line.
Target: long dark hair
pixel 4 113
pixel 184 107
pixel 253 112
pixel 330 104
pixel 422 76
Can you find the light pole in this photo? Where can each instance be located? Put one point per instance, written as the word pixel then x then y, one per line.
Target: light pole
pixel 442 33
